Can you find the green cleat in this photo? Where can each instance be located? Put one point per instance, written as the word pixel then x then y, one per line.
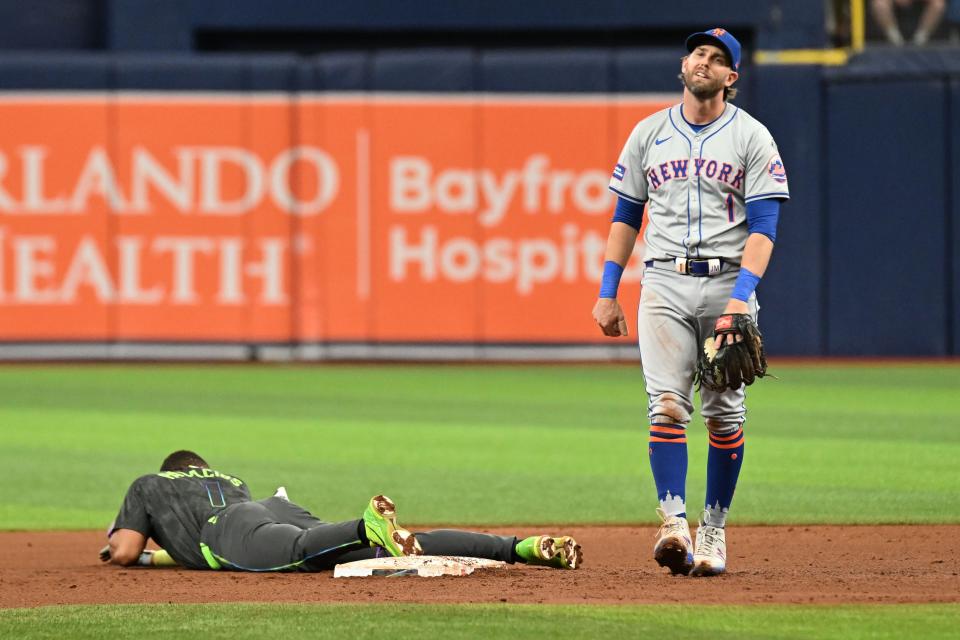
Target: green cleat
pixel 380 523
pixel 559 553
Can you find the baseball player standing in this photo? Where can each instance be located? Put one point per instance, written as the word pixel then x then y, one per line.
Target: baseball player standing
pixel 712 180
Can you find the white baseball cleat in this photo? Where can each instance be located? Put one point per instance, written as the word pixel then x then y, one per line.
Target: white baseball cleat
pixel 674 548
pixel 710 554
pixel 282 494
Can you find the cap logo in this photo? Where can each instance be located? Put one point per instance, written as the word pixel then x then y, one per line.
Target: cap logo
pixel 718 32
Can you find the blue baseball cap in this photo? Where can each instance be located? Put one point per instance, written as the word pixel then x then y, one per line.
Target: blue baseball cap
pixel 720 38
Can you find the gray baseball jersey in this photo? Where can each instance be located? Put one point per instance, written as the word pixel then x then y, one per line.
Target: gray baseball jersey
pixel 697 184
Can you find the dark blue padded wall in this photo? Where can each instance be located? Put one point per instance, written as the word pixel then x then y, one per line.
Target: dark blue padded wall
pixel 347 71
pixel 207 73
pixel 792 316
pixel 885 179
pixel 953 217
pixel 55 72
pixel 272 73
pixel 182 73
pixel 427 70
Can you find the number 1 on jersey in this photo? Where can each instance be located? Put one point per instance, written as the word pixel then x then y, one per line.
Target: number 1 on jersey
pixel 730 207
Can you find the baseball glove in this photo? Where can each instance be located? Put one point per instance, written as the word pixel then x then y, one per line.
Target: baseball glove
pixel 735 364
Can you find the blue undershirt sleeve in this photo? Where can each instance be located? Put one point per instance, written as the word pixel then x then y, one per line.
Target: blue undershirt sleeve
pixel 762 216
pixel 629 213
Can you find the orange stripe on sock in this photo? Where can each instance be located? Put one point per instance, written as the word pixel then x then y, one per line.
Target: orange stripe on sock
pixel 732 436
pixel 660 429
pixel 677 440
pixel 732 445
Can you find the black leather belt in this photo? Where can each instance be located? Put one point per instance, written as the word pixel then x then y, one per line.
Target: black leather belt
pixel 696 267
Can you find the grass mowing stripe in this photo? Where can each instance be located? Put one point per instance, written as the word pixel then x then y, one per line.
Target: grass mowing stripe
pixel 824 444
pixel 492 621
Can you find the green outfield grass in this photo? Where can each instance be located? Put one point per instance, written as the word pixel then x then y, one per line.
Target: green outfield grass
pixel 239 621
pixel 472 444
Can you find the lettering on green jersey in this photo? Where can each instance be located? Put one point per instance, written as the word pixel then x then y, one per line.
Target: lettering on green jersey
pixel 196 472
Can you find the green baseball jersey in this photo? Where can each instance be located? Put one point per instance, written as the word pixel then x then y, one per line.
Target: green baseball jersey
pixel 173 506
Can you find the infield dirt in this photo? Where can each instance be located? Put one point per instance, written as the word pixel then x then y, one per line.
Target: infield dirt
pixel 786 565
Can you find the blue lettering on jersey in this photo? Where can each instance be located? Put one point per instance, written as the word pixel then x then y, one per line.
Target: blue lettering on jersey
pixel 660 174
pixel 663 171
pixel 738 179
pixel 654 180
pixel 618 171
pixel 679 168
pixel 725 172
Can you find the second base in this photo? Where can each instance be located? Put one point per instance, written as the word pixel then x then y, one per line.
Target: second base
pixel 423 566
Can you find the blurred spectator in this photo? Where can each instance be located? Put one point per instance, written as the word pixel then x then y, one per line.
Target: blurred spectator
pixel 837 17
pixel 883 13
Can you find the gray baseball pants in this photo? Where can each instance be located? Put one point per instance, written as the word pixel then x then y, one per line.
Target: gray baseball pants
pixel 278 535
pixel 676 314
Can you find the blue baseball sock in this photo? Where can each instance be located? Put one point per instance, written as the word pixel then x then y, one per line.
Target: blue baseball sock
pixel 723 468
pixel 668 461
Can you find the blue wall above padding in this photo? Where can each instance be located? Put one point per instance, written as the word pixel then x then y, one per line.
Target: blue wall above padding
pixel 150 25
pixel 178 25
pixel 647 71
pixel 563 70
pixel 52 24
pixel 153 25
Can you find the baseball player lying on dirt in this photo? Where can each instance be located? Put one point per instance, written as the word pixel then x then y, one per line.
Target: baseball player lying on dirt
pixel 205 519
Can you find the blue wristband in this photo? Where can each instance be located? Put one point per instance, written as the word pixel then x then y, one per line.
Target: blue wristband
pixel 611 279
pixel 746 282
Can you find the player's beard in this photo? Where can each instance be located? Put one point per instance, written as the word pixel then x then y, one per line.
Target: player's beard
pixel 702 88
